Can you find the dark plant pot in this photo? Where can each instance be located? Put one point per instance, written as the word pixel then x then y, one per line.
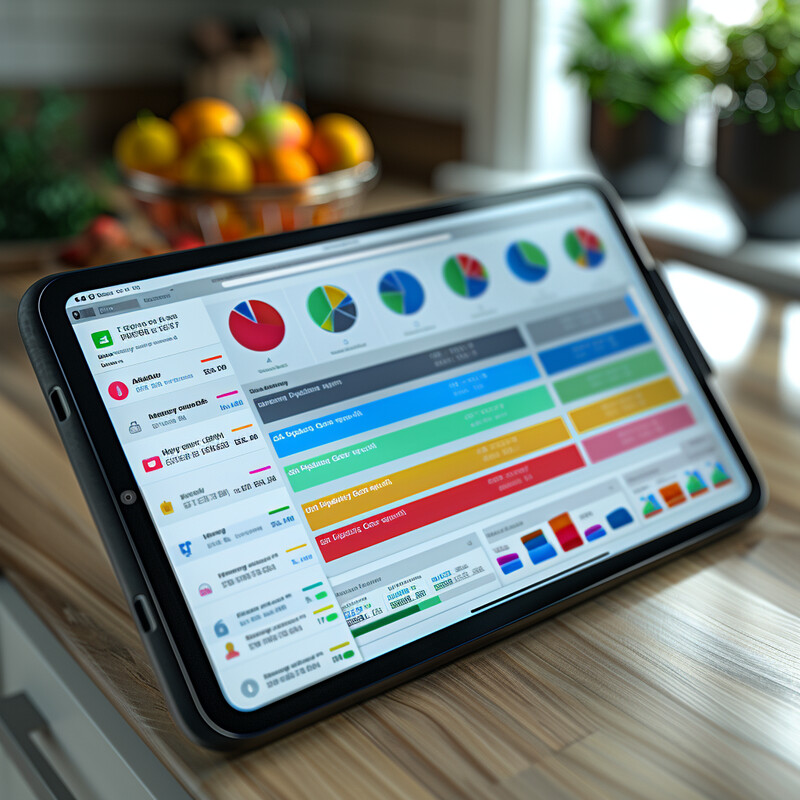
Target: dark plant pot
pixel 637 158
pixel 762 173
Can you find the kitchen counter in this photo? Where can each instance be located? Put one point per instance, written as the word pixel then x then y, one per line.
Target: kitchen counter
pixel 682 682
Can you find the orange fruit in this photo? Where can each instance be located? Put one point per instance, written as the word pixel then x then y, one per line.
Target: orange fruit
pixel 277 126
pixel 287 165
pixel 339 142
pixel 147 143
pixel 231 222
pixel 218 165
pixel 205 118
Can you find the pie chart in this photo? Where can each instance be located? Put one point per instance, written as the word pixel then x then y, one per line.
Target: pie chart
pixel 584 247
pixel 332 308
pixel 256 325
pixel 527 261
pixel 465 275
pixel 401 292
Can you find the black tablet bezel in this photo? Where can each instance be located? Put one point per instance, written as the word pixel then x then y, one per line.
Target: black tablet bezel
pixel 373 675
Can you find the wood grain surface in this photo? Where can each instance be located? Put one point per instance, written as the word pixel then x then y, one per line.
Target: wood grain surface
pixel 684 682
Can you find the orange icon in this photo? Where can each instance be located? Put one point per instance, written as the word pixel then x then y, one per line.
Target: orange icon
pixel 166 507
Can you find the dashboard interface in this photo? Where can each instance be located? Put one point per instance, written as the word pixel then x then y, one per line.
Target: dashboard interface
pixel 353 444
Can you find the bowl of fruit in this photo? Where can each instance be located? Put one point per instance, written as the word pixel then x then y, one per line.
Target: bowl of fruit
pixel 208 172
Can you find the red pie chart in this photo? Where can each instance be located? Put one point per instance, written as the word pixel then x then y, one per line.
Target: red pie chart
pixel 256 325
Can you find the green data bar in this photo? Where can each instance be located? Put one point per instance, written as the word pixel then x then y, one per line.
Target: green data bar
pixel 390 618
pixel 379 450
pixel 618 373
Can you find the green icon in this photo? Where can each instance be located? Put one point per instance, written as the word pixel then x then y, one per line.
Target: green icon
pixel 102 339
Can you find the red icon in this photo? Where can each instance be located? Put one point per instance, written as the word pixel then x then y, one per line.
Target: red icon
pixel 152 464
pixel 118 390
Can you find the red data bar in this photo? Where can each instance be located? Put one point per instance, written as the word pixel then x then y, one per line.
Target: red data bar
pixel 427 510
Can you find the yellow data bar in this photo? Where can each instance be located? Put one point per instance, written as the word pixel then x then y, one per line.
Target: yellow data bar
pixel 400 485
pixel 624 404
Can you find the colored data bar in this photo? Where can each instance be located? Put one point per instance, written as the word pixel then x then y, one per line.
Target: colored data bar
pixel 447 503
pixel 509 563
pixel 388 619
pixel 566 532
pixel 414 439
pixel 594 532
pixel 385 375
pixel 611 376
pixel 574 323
pixel 397 486
pixel 672 494
pixel 402 406
pixel 625 404
pixel 635 434
pixel 584 351
pixel 539 549
pixel 619 517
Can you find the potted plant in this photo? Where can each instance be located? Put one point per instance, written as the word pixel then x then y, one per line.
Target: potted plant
pixel 758 138
pixel 44 198
pixel 640 87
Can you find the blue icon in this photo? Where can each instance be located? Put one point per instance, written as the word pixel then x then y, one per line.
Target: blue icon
pixel 619 517
pixel 220 629
pixel 186 548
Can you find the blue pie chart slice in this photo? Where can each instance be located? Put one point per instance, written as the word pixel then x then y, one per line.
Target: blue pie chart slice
pixel 527 261
pixel 401 292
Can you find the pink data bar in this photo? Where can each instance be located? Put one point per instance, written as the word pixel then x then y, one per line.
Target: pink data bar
pixel 635 434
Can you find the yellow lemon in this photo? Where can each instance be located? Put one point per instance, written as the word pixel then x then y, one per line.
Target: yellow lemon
pixel 218 165
pixel 147 143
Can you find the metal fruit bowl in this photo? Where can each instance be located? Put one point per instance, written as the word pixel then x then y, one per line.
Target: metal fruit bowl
pixel 267 208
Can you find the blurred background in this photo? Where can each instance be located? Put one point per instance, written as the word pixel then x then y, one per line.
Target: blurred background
pixel 131 129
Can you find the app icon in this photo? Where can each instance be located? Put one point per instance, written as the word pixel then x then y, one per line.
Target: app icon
pixel 249 688
pixel 220 629
pixel 166 507
pixel 152 464
pixel 186 548
pixel 118 390
pixel 102 339
pixel 134 427
pixel 205 590
pixel 231 652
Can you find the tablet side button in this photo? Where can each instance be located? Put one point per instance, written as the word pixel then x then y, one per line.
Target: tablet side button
pixel 144 614
pixel 59 405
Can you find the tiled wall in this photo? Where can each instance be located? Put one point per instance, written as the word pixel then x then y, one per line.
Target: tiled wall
pixel 406 55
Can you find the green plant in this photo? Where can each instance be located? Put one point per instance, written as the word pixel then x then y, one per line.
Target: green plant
pixel 759 74
pixel 630 72
pixel 41 195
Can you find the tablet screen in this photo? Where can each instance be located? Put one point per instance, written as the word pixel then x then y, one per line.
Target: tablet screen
pixel 350 445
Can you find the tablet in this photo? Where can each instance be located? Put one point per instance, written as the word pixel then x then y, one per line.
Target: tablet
pixel 325 461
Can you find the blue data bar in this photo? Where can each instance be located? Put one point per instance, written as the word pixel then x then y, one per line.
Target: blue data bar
pixel 405 405
pixel 584 351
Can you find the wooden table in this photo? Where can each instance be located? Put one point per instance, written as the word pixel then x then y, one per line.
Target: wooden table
pixel 683 683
